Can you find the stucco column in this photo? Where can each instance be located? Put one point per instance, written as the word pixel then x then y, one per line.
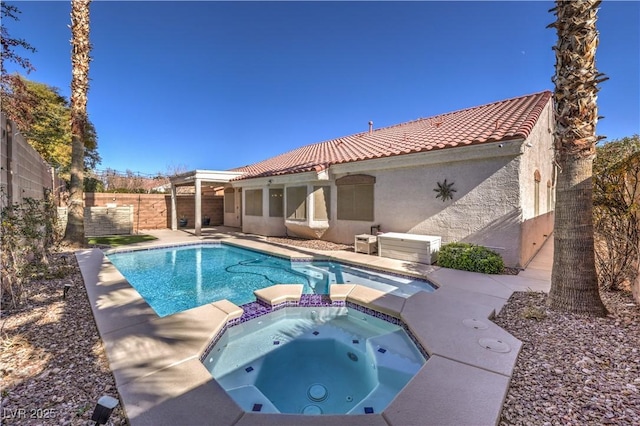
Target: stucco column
pixel 174 209
pixel 198 207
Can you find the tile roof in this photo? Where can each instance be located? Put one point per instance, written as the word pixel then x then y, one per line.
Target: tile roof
pixel 499 121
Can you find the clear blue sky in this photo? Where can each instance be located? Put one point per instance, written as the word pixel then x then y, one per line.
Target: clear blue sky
pixel 216 85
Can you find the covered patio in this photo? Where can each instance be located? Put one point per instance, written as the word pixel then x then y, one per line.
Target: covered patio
pixel 196 178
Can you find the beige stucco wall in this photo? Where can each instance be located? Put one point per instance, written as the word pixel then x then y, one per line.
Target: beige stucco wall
pixel 484 210
pixel 538 154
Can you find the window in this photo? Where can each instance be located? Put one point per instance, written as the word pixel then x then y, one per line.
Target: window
pixel 321 200
pixel 276 205
pixel 229 200
pixel 549 196
pixel 297 202
pixel 536 194
pixel 253 202
pixel 355 197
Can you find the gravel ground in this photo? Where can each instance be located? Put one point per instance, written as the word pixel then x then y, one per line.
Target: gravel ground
pixel 572 370
pixel 53 367
pixel 312 244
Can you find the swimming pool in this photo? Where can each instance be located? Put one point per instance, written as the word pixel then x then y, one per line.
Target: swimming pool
pixel 330 360
pixel 174 279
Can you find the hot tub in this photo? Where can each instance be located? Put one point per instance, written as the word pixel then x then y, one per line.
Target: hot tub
pixel 328 360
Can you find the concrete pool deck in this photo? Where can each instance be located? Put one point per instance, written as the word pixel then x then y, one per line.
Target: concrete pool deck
pixel 161 380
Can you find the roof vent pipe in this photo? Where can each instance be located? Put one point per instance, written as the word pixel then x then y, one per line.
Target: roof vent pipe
pixel 370 126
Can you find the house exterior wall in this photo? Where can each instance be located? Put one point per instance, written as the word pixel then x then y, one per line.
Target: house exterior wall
pixel 234 219
pixel 485 208
pixel 494 203
pixel 262 225
pixel 538 158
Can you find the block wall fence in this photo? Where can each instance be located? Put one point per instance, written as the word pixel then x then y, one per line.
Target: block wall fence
pixel 23 172
pixel 153 211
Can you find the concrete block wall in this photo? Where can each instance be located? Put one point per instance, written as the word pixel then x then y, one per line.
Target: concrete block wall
pixel 153 211
pixel 212 207
pixel 108 220
pixel 24 174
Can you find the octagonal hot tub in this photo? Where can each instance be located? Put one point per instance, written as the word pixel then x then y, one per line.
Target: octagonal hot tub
pixel 329 360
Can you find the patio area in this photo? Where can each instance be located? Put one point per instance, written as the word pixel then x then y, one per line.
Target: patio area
pixel 161 380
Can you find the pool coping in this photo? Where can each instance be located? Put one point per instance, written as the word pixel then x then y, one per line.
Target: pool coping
pixel 161 381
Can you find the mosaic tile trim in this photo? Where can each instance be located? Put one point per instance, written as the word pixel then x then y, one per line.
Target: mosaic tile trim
pixel 215 340
pixel 415 341
pixel 257 309
pixel 315 259
pixel 316 300
pixel 374 313
pixel 289 303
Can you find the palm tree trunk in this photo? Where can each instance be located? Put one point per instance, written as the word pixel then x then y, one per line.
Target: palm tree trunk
pixel 574 282
pixel 81 48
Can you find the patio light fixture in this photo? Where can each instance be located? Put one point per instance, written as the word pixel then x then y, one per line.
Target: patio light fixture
pixel 65 290
pixel 103 409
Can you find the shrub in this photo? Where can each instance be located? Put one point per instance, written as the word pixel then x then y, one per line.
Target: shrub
pixel 470 257
pixel 616 212
pixel 27 236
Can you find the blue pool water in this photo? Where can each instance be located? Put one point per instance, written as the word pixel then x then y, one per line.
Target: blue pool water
pixel 178 278
pixel 314 361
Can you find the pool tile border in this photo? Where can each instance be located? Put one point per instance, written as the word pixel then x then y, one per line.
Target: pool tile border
pixel 259 308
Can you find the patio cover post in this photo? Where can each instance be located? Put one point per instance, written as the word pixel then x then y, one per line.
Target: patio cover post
pixel 174 209
pixel 198 185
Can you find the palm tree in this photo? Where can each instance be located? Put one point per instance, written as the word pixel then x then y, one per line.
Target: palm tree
pixel 574 283
pixel 81 48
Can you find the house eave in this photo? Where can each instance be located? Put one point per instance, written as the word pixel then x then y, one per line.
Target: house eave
pixel 208 176
pixel 508 148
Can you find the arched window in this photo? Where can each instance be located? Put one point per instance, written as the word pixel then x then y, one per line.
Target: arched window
pixel 536 193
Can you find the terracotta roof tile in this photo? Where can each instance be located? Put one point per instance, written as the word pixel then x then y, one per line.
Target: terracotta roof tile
pixel 499 121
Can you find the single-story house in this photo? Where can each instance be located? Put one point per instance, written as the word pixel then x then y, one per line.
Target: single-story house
pixel 483 175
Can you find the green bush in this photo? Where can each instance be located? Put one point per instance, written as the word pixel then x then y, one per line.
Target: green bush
pixel 470 257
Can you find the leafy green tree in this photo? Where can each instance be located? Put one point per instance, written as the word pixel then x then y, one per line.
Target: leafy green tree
pixel 49 128
pixel 15 101
pixel 574 282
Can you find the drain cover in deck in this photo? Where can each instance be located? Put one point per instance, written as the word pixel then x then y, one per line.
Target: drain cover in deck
pixel 494 345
